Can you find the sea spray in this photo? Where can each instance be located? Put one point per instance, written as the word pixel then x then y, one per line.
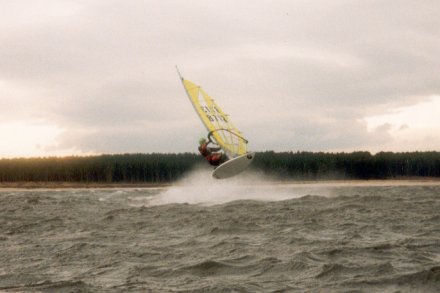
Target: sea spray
pixel 200 188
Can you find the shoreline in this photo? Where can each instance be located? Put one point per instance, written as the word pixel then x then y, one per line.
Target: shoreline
pixel 76 185
pixel 104 185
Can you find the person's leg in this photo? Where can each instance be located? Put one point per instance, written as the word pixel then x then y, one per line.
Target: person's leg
pixel 216 159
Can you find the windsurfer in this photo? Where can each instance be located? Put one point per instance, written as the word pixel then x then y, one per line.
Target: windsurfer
pixel 212 154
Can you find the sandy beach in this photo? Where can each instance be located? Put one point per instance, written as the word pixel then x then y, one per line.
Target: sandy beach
pixel 67 185
pixel 61 185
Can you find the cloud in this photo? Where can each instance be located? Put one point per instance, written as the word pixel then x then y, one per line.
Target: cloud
pixel 293 75
pixel 403 127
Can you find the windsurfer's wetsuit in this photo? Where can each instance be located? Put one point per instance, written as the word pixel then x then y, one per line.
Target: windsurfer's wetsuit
pixel 211 154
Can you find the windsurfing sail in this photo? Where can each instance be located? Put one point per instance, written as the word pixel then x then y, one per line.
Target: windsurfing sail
pixel 219 125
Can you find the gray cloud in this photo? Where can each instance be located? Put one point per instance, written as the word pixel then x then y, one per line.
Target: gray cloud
pixel 292 74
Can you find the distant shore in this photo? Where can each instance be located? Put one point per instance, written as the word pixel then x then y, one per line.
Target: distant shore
pixel 67 185
pixel 354 182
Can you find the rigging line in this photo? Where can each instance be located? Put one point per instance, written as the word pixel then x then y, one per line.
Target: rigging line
pixel 227 137
pixel 212 106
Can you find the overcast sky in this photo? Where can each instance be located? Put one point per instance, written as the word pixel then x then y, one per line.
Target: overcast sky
pixel 90 77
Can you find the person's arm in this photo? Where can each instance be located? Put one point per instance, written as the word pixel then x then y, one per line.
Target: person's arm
pixel 213 148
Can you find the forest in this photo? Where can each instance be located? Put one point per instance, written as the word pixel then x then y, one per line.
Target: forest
pixel 167 168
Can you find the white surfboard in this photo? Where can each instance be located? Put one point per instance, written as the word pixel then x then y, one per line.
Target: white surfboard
pixel 233 167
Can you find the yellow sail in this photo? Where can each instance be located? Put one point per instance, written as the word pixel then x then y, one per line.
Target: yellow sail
pixel 225 134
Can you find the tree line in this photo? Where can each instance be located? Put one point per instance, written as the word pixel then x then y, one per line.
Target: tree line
pixel 165 168
pixel 155 168
pixel 355 165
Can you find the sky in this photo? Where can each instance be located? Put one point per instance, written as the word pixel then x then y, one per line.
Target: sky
pixel 84 77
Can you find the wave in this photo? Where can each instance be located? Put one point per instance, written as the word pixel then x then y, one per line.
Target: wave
pixel 428 278
pixel 422 281
pixel 51 286
pixel 307 242
pixel 233 267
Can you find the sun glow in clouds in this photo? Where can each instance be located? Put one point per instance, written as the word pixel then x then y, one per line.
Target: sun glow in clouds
pixel 418 126
pixel 22 139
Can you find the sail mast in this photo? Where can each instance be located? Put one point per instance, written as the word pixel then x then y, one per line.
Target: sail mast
pixel 194 102
pixel 178 72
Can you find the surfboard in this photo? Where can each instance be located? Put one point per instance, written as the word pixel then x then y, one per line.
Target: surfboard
pixel 233 167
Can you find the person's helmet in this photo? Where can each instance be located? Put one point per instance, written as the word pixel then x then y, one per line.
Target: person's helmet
pixel 202 141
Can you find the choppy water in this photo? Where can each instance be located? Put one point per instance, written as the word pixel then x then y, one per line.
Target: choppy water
pixel 221 238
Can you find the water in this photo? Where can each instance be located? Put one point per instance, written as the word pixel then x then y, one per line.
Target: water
pixel 242 235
